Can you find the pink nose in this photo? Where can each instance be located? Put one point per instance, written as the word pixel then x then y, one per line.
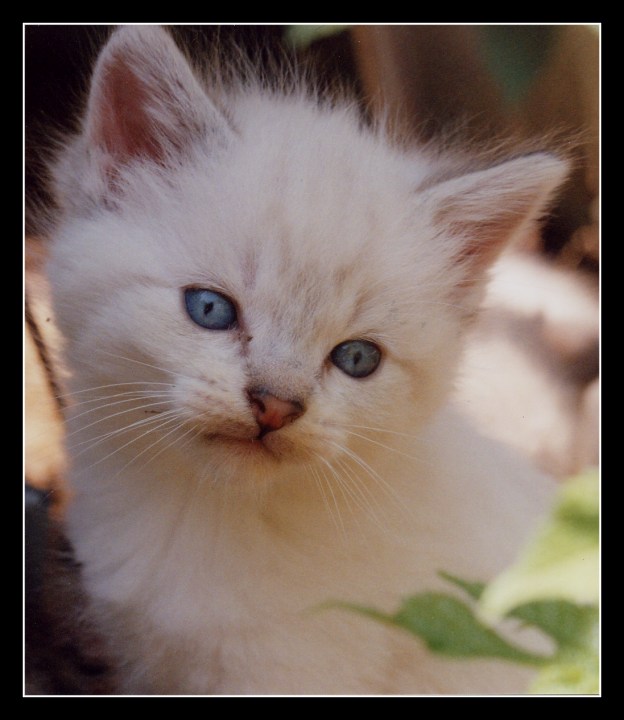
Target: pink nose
pixel 271 412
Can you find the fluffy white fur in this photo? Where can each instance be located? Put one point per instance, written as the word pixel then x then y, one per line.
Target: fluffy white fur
pixel 207 551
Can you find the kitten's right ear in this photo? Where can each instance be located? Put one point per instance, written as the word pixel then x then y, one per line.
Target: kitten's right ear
pixel 479 213
pixel 145 104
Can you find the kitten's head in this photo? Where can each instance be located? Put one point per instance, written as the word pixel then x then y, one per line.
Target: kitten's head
pixel 259 281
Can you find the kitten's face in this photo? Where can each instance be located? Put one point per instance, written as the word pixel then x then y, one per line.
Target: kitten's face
pixel 223 292
pixel 264 286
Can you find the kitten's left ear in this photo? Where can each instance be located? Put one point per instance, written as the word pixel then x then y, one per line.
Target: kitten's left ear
pixel 146 104
pixel 482 212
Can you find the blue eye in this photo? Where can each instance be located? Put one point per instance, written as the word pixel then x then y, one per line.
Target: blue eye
pixel 357 358
pixel 210 309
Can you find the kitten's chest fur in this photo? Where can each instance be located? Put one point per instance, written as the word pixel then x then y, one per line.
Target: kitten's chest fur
pixel 204 594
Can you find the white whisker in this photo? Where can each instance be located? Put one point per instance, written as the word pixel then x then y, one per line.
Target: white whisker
pixel 312 471
pixel 337 517
pixel 160 439
pixel 342 486
pixel 166 422
pixel 361 493
pixel 151 395
pixel 371 472
pixel 381 429
pixel 116 414
pixel 63 396
pixel 94 441
pixel 383 445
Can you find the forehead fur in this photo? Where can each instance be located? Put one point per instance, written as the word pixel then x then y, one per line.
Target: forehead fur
pixel 303 213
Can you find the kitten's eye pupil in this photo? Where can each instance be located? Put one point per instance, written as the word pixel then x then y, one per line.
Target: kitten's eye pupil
pixel 210 309
pixel 356 358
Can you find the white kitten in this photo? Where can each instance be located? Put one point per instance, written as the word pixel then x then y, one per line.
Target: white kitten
pixel 263 305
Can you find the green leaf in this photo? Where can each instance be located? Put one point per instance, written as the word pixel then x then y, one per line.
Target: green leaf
pixel 562 561
pixel 449 627
pixel 554 586
pixel 569 624
pixel 474 589
pixel 574 668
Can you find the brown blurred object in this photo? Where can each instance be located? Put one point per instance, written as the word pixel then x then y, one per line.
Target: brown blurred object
pixel 44 454
pixel 436 80
pixel 429 78
pixel 65 655
pixel 566 95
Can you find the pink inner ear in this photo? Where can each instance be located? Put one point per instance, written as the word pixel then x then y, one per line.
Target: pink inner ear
pixel 483 239
pixel 486 238
pixel 123 126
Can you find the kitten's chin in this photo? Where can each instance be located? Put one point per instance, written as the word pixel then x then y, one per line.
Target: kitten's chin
pixel 252 451
pixel 239 457
pixel 254 446
pixel 239 463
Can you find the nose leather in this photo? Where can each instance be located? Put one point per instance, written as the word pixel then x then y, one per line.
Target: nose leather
pixel 272 413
